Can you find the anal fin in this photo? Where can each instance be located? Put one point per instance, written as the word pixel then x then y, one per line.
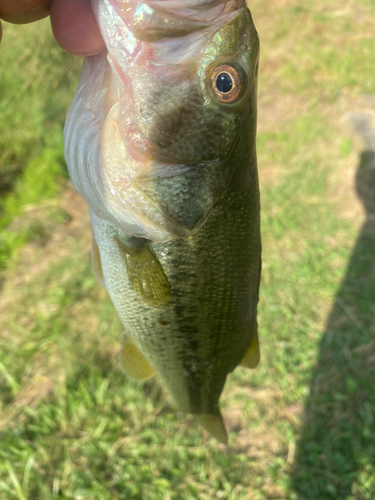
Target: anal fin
pixel 252 355
pixel 132 361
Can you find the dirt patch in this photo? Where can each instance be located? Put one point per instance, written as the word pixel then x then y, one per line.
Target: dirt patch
pixel 234 419
pixel 24 296
pixel 36 256
pixel 257 443
pixel 352 182
pixel 29 396
pixel 275 112
pixel 275 109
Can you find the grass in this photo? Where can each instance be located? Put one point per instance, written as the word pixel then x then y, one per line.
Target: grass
pixel 36 86
pixel 302 424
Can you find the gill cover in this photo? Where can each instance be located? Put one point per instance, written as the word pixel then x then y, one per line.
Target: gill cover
pixel 148 143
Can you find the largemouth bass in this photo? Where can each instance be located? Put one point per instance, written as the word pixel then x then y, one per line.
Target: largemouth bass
pixel 160 143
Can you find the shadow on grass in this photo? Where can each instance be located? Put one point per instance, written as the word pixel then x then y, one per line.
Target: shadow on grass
pixel 335 456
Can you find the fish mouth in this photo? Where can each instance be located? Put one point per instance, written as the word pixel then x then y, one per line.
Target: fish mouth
pixel 155 20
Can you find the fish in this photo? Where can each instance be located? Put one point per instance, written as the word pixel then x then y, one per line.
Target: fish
pixel 160 143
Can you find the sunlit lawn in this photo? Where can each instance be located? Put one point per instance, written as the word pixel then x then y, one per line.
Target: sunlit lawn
pixel 302 425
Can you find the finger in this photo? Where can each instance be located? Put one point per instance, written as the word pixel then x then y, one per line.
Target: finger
pixel 23 11
pixel 75 28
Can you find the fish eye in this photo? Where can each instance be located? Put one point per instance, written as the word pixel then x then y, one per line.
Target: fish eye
pixel 226 83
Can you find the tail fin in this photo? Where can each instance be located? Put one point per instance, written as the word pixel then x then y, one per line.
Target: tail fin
pixel 214 424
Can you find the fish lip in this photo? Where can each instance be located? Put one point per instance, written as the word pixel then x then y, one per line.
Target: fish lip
pixel 189 10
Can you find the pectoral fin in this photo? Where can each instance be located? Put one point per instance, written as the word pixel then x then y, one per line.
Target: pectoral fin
pixel 252 355
pixel 95 261
pixel 214 425
pixel 145 273
pixel 133 363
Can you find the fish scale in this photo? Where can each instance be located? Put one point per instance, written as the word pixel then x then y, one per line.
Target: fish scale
pixel 219 268
pixel 169 173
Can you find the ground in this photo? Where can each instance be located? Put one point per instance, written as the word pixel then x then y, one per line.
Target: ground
pixel 302 424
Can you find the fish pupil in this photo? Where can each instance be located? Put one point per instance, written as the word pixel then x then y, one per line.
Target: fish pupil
pixel 224 83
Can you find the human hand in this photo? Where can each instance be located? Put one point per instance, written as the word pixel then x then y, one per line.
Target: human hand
pixel 73 21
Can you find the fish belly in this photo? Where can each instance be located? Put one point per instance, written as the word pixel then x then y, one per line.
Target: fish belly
pixel 205 320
